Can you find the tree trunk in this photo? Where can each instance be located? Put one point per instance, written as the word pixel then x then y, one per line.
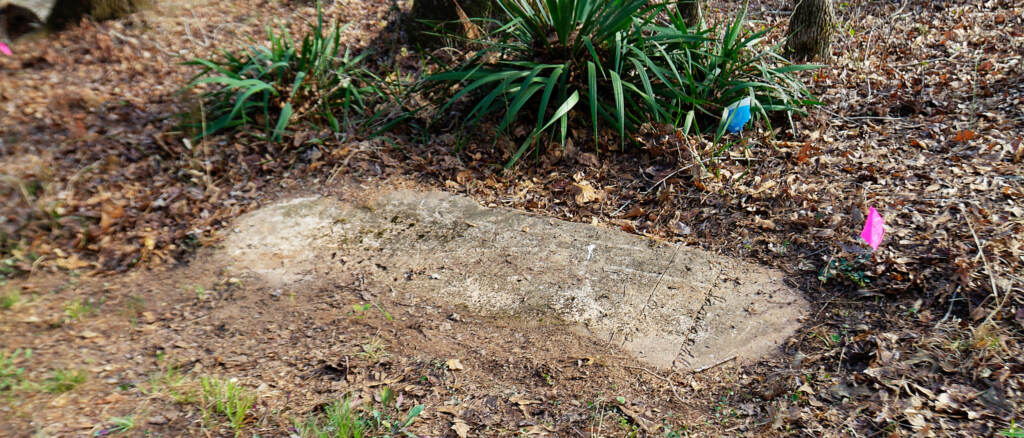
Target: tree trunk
pixel 810 30
pixel 691 11
pixel 443 17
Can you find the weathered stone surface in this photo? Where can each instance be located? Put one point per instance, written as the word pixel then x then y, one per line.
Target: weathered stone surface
pixel 18 17
pixel 671 306
pixel 41 8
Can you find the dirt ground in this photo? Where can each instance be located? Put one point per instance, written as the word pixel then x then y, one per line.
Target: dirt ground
pixel 303 344
pixel 110 219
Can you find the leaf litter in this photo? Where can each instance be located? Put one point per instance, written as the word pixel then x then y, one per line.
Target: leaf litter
pixel 922 121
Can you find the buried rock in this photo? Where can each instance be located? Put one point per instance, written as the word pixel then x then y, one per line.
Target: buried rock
pixel 670 306
pixel 19 17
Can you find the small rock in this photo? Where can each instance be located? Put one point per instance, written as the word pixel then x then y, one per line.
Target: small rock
pixel 88 334
pixel 157 420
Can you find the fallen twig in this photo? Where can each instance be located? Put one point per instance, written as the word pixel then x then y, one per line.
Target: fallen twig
pixel 988 269
pixel 708 367
pixel 671 385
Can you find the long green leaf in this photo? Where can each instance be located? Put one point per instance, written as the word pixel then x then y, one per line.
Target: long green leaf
pixel 560 114
pixel 282 122
pixel 526 90
pixel 619 105
pixel 592 92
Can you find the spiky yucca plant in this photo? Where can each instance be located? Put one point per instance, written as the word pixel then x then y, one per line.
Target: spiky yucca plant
pixel 317 81
pixel 724 64
pixel 612 58
pixel 551 52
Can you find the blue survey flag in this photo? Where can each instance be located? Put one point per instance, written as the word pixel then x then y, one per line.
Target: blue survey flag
pixel 737 115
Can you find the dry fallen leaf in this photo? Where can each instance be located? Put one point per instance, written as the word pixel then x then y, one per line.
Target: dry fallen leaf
pixel 461 428
pixel 464 176
pixel 451 410
pixel 454 365
pixel 522 401
pixel 634 212
pixel 88 334
pixel 964 136
pixel 589 159
pixel 112 398
pixel 72 263
pixel 584 192
pixel 110 213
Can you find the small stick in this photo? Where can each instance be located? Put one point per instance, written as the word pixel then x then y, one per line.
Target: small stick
pixel 708 367
pixel 988 269
pixel 671 385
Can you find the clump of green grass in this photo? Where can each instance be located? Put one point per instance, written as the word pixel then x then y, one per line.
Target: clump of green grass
pixel 612 61
pixel 10 375
pixel 317 81
pixel 9 299
pixel 374 350
pixel 122 424
pixel 1013 431
pixel 79 308
pixel 360 310
pixel 172 383
pixel 226 398
pixel 340 420
pixel 62 380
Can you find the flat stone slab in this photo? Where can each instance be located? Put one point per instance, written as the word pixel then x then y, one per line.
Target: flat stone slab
pixel 671 306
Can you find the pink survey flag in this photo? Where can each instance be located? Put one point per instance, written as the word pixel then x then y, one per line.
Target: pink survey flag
pixel 5 50
pixel 874 229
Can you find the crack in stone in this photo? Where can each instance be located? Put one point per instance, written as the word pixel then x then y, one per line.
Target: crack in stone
pixel 691 333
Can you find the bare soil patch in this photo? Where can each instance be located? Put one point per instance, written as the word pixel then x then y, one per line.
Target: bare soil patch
pixel 301 336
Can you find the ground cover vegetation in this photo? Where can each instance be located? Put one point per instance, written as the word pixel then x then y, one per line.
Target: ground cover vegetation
pixel 626 64
pixel 919 117
pixel 316 81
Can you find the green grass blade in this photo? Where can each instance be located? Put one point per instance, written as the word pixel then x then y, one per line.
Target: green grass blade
pixel 560 114
pixel 549 87
pixel 526 90
pixel 282 122
pixel 592 92
pixel 620 110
